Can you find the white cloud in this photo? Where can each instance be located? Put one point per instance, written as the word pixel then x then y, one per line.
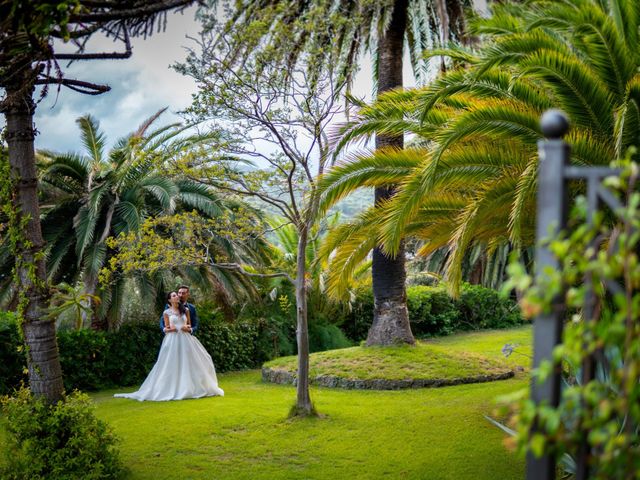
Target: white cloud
pixel 140 86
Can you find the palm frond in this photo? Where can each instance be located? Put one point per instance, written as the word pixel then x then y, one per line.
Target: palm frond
pixel 381 168
pixel 92 138
pixel 199 196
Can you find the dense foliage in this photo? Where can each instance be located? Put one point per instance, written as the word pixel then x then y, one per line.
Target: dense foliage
pixel 94 360
pixel 61 441
pixel 12 357
pixel 433 312
pixel 599 415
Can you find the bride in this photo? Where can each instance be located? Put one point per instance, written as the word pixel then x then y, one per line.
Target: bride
pixel 184 369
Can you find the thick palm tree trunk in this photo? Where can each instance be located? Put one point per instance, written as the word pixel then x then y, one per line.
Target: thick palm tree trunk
pixel 303 399
pixel 390 317
pixel 43 362
pixel 98 322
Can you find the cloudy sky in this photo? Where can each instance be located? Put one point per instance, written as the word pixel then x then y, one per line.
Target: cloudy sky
pixel 140 86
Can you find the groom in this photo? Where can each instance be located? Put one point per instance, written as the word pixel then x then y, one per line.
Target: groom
pixel 183 295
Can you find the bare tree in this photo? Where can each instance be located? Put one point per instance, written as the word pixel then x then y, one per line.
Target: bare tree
pixel 280 126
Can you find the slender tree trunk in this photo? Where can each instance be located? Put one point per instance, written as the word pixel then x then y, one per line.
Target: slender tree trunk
pixel 390 317
pixel 43 361
pixel 97 323
pixel 222 299
pixel 477 272
pixel 303 400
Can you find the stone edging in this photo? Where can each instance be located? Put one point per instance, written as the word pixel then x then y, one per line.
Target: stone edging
pixel 283 377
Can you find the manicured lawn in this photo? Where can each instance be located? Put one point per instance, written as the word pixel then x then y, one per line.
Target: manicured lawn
pixel 457 356
pixel 490 343
pixel 431 433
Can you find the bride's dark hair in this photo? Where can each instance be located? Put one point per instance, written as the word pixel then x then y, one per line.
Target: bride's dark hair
pixel 181 307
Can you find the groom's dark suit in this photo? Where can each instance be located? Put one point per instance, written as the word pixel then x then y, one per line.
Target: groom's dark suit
pixel 192 314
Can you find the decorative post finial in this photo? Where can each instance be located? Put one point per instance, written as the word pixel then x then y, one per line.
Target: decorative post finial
pixel 554 124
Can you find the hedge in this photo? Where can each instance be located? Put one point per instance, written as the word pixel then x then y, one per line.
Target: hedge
pixel 432 312
pixel 97 360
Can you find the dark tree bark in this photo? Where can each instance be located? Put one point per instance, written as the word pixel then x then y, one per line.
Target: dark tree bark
pixel 477 272
pixel 390 317
pixel 45 374
pixel 303 397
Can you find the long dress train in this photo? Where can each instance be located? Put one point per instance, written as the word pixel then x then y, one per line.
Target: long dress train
pixel 184 369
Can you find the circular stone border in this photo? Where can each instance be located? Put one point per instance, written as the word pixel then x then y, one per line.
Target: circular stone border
pixel 283 377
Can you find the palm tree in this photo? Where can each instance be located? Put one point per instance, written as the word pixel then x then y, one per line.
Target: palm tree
pixel 471 178
pixel 336 33
pixel 26 57
pixel 89 198
pixel 70 299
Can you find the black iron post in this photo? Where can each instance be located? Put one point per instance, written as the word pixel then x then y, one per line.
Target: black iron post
pixel 551 216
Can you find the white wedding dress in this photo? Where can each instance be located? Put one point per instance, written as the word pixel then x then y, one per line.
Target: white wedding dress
pixel 184 369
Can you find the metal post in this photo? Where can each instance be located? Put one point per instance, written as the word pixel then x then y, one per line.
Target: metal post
pixel 551 217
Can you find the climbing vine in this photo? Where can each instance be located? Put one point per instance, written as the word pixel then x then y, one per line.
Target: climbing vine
pixel 11 229
pixel 603 411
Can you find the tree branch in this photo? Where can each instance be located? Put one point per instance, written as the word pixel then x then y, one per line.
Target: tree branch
pixel 98 56
pixel 239 268
pixel 77 85
pixel 113 13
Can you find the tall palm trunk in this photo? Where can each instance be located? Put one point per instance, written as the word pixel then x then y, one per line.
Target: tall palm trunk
pixel 390 317
pixel 303 399
pixel 43 361
pixel 99 322
pixel 90 288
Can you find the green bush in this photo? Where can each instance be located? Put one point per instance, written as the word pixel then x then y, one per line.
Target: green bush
pixel 358 320
pixel 83 356
pixel 277 337
pixel 12 358
pixel 326 336
pixel 482 308
pixel 133 349
pixel 61 441
pixel 432 312
pixel 96 360
pixel 233 346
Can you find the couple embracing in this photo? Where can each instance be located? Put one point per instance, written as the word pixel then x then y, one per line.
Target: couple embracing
pixel 184 369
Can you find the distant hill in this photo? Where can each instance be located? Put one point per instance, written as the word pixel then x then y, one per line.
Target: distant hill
pixel 355 203
pixel 348 207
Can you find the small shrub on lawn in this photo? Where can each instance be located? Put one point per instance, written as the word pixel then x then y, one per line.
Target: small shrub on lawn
pixel 482 308
pixel 326 336
pixel 61 441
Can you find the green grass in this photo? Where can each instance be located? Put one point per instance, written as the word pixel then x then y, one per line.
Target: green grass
pixel 415 434
pixel 453 357
pixel 489 344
